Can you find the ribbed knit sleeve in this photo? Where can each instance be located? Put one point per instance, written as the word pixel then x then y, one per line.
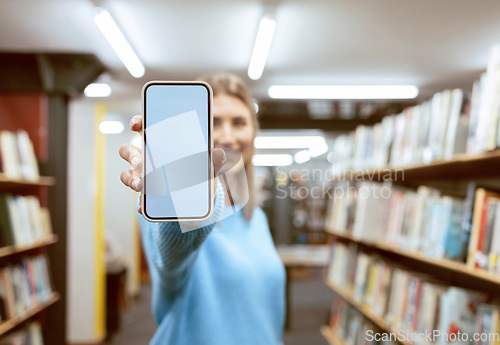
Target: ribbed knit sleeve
pixel 170 252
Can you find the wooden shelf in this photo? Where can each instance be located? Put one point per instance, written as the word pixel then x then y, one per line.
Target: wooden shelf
pixel 7 251
pixel 445 264
pixel 346 295
pixel 46 181
pixel 462 166
pixel 330 336
pixel 10 324
pixel 364 310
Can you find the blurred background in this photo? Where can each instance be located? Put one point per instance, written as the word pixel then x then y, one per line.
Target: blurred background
pixel 71 73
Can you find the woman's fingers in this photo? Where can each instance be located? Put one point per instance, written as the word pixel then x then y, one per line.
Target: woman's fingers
pixel 132 155
pixel 136 123
pixel 132 179
pixel 219 158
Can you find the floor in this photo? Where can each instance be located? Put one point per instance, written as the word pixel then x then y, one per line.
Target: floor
pixel 310 304
pixel 137 325
pixel 310 301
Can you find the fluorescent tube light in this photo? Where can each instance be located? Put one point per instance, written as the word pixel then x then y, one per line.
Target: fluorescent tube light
pixel 118 42
pixel 314 145
pixel 261 47
pixel 318 149
pixel 330 157
pixel 302 156
pixel 288 142
pixel 343 92
pixel 97 90
pixel 272 160
pixel 111 127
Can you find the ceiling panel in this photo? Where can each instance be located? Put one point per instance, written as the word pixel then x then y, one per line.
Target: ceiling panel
pixel 433 44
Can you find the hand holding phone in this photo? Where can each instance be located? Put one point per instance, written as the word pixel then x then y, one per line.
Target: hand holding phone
pixel 132 178
pixel 175 168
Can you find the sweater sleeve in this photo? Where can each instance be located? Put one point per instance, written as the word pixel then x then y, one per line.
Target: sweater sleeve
pixel 170 252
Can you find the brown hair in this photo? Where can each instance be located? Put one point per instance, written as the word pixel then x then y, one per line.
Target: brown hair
pixel 232 85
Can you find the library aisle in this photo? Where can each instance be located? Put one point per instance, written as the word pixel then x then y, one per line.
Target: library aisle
pixel 358 196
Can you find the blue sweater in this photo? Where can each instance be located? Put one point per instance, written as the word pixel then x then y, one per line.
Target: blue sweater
pixel 222 284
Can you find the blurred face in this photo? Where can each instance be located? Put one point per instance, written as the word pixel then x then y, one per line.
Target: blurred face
pixel 233 126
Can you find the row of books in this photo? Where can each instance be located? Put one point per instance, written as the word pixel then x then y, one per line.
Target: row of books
pixel 24 286
pixel 415 304
pixel 484 117
pixel 436 225
pixel 436 129
pixel 452 122
pixel 17 155
pixel 349 325
pixel 22 220
pixel 30 335
pixel 353 329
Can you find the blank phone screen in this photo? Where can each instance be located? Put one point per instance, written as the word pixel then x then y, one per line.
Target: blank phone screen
pixel 177 157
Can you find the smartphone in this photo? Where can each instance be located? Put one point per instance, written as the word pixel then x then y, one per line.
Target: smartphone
pixel 177 151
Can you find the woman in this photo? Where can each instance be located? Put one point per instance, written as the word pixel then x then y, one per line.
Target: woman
pixel 224 283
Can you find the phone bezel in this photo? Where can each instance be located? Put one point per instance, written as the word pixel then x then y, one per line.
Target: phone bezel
pixel 210 150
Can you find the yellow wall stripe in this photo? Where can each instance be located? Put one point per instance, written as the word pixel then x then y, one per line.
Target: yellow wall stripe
pixel 99 245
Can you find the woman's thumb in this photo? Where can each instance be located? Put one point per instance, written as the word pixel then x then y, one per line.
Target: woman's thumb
pixel 219 158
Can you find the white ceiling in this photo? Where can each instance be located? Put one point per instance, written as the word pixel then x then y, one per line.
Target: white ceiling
pixel 434 44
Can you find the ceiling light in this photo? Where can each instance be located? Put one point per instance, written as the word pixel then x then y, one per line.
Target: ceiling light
pixel 318 149
pixel 97 90
pixel 288 142
pixel 111 127
pixel 118 42
pixel 272 160
pixel 330 157
pixel 261 47
pixel 302 156
pixel 343 92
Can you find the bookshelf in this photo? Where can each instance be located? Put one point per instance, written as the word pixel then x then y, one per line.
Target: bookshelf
pixel 35 92
pixel 14 322
pixel 43 181
pixel 365 311
pixel 21 249
pixel 453 272
pixel 460 167
pixel 450 266
pixel 26 232
pixel 331 337
pixel 426 256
